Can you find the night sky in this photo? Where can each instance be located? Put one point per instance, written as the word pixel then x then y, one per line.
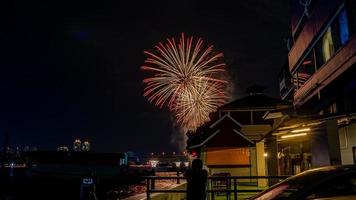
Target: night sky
pixel 72 70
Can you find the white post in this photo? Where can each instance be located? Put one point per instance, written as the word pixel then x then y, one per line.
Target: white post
pixel 261 163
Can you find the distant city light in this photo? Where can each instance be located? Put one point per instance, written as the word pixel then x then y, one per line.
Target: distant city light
pixel 62 148
pixel 85 146
pixel 77 144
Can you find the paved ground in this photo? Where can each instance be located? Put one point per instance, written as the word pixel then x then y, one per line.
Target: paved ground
pixel 240 195
pixel 222 196
pixel 159 184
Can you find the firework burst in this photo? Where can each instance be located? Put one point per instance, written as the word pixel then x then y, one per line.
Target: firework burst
pixel 187 78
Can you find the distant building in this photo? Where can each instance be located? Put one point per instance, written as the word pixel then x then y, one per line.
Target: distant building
pixel 62 148
pixel 85 146
pixel 77 145
pixel 30 148
pixel 76 163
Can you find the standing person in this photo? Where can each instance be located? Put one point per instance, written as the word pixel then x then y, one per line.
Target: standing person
pixel 196 178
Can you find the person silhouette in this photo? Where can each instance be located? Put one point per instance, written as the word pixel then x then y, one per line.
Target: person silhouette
pixel 196 179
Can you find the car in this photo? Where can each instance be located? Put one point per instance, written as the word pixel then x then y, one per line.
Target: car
pixel 325 183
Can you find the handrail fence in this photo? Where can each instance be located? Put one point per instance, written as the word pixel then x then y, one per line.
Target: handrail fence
pixel 228 190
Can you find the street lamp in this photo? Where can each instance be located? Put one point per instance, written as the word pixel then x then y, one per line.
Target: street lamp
pixel 178 169
pixel 153 163
pixel 178 163
pixel 186 164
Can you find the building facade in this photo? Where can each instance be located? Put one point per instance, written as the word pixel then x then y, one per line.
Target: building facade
pixel 320 79
pixel 233 141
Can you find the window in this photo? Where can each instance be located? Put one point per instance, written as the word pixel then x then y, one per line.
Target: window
pixel 327 46
pixel 343 27
pixel 336 35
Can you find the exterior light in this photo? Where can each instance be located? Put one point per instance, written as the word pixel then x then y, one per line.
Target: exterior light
pixel 265 154
pixel 300 130
pixel 293 135
pixel 186 164
pixel 177 163
pixel 153 163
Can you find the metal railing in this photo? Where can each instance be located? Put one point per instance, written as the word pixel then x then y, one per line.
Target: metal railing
pixel 231 185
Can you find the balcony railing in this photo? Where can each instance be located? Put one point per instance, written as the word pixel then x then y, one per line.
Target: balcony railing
pixel 226 185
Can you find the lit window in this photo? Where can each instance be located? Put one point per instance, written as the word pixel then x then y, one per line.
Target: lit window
pixel 336 35
pixel 327 45
pixel 343 27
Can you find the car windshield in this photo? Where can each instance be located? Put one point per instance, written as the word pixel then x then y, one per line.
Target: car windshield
pixel 292 185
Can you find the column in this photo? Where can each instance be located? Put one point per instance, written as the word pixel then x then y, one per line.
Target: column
pixel 272 159
pixel 261 164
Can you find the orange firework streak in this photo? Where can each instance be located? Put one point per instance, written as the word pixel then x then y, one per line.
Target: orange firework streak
pixel 187 78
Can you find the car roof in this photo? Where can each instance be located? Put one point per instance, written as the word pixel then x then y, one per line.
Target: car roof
pixel 326 170
pixel 315 176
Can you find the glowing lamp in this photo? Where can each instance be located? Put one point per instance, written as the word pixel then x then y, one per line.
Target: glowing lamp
pixel 293 135
pixel 153 163
pixel 186 164
pixel 177 163
pixel 300 130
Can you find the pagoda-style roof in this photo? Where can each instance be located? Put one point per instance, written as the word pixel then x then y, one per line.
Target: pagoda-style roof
pixel 255 101
pixel 223 132
pixel 239 123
